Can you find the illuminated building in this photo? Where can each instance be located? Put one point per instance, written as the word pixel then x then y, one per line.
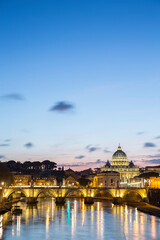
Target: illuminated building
pixel 121 164
pixel 153 169
pixel 21 180
pixel 69 181
pixel 107 179
pixel 154 182
pixel 24 180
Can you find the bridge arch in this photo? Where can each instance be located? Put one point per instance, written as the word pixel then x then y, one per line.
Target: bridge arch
pixel 132 195
pixel 103 193
pixel 46 193
pixel 74 193
pixel 10 193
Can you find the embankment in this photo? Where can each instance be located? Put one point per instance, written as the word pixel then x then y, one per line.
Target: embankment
pixel 146 208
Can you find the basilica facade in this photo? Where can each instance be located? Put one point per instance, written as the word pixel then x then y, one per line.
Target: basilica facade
pixel 120 163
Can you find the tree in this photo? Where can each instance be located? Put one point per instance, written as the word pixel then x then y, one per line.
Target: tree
pixel 48 165
pixel 84 182
pixel 5 175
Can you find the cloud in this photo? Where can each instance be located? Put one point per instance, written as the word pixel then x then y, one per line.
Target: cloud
pixel 7 140
pixel 158 137
pixel 4 145
pixel 70 165
pixel 13 96
pixel 2 156
pixel 154 161
pixel 100 161
pixel 80 157
pixel 153 156
pixel 82 164
pixel 62 107
pixel 29 145
pixel 140 133
pixel 106 150
pixel 149 144
pixel 91 148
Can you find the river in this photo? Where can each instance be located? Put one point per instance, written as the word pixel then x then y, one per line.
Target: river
pixel 78 221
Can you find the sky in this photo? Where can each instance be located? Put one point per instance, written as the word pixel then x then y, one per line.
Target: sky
pixel 77 78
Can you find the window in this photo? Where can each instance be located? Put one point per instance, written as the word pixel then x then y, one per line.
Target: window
pixel 112 181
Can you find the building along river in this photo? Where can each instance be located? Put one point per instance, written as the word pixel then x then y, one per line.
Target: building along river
pixel 77 221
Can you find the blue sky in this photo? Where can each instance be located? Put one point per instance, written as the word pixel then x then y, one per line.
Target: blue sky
pixel 77 76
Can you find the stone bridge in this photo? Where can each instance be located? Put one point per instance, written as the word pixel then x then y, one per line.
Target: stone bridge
pixel 64 192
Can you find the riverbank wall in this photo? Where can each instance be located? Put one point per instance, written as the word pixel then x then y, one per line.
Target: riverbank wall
pixel 6 206
pixel 154 196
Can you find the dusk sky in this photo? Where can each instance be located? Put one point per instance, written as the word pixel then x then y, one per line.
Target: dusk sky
pixel 77 78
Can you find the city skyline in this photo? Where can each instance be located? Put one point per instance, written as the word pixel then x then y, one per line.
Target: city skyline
pixel 77 81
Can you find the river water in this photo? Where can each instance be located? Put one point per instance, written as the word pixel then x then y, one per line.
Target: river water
pixel 78 221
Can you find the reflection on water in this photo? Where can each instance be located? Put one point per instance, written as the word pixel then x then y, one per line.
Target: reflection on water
pixel 76 220
pixel 1 226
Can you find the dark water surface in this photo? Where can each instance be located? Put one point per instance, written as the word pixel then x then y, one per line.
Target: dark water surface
pixel 77 221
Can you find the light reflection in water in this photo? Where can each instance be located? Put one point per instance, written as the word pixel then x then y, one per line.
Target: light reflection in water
pixel 98 209
pixel 13 217
pixel 1 226
pixel 53 205
pixel 83 212
pixel 136 224
pixel 69 212
pixel 142 224
pixel 153 227
pixel 12 231
pixel 100 220
pixel 1 232
pixel 126 220
pixel 18 225
pixel 79 221
pixel 47 223
pixel 130 215
pixel 92 215
pixel 74 212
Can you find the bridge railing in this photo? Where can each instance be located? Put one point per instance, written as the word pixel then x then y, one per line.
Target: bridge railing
pixel 66 187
